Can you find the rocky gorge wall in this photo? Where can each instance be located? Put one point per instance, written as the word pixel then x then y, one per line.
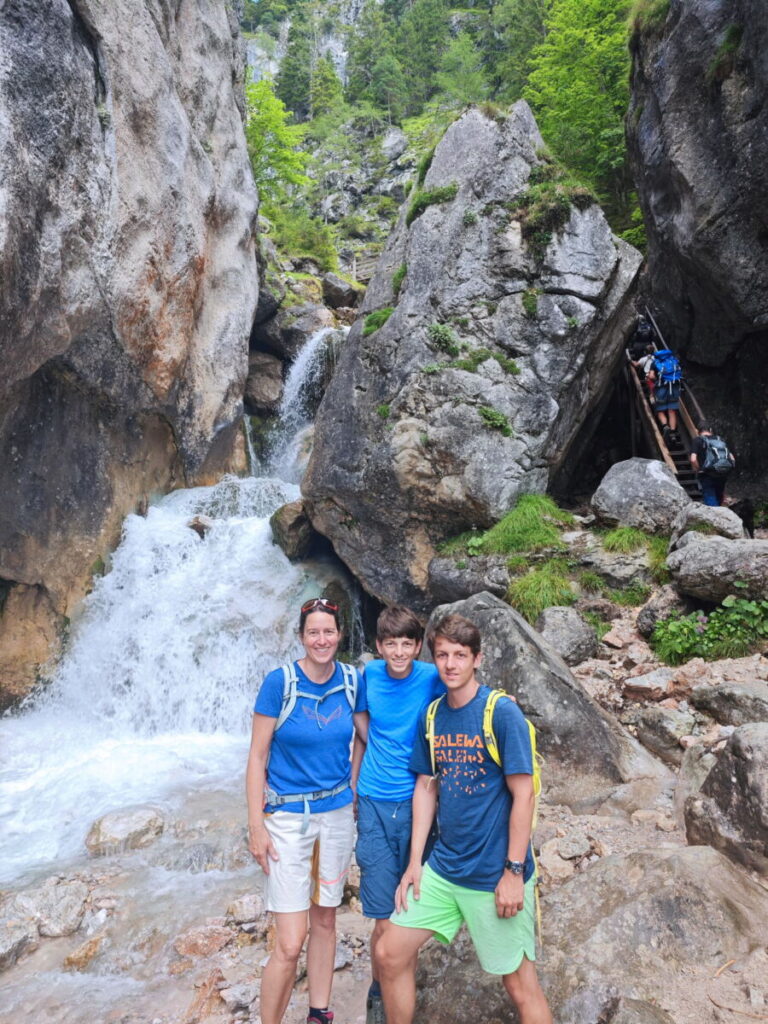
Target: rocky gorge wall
pixel 698 144
pixel 492 349
pixel 129 284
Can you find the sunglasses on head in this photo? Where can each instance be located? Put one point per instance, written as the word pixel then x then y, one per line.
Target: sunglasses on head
pixel 318 602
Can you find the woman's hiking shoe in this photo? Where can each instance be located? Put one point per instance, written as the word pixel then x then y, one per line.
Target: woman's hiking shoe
pixel 320 1017
pixel 374 1011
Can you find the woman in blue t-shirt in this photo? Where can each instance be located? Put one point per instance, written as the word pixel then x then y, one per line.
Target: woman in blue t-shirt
pixel 299 802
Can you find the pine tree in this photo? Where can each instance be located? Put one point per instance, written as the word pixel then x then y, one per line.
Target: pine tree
pixel 461 73
pixel 325 89
pixel 388 88
pixel 423 37
pixel 293 80
pixel 370 41
pixel 518 26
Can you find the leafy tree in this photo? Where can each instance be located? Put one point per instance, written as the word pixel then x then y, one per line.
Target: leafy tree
pixel 579 89
pixel 461 73
pixel 293 80
pixel 518 26
pixel 272 143
pixel 388 88
pixel 325 89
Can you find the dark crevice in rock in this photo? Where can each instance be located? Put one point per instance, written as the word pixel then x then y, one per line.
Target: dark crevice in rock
pixel 89 39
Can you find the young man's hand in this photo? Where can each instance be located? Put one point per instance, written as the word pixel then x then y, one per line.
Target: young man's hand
pixel 412 876
pixel 509 894
pixel 261 846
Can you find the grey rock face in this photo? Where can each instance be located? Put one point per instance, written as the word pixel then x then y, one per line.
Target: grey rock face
pixel 264 386
pixel 131 828
pixel 568 633
pixel 660 730
pixel 625 927
pixel 642 493
pixel 699 152
pixel 449 581
pixel 338 292
pixel 731 810
pixel 698 761
pixel 579 741
pixel 128 265
pixel 17 935
pixel 617 568
pixel 710 567
pixel 287 333
pixel 394 144
pixel 459 445
pixel 733 703
pixel 705 519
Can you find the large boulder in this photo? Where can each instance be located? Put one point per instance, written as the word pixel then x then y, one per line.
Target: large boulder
pixel 494 355
pixel 568 633
pixel 292 530
pixel 730 812
pixel 586 751
pixel 624 929
pixel 733 703
pixel 451 580
pixel 264 386
pixel 642 493
pixel 128 263
pixel 286 334
pixel 711 568
pixel 699 153
pixel 130 828
pixel 711 521
pixel 57 906
pixel 339 292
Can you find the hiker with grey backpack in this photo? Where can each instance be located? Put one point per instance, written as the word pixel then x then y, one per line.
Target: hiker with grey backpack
pixel 301 827
pixel 713 462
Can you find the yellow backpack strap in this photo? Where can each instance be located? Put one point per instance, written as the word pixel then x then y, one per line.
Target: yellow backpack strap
pixel 489 736
pixel 431 712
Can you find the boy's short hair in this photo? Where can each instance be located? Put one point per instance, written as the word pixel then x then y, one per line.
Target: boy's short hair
pixel 396 621
pixel 457 630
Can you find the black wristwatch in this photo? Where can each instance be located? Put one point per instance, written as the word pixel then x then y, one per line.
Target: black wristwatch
pixel 515 866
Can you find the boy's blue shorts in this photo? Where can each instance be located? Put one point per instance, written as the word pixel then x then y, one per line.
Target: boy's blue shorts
pixel 382 852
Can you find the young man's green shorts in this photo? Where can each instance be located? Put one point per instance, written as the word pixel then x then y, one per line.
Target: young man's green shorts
pixel 500 942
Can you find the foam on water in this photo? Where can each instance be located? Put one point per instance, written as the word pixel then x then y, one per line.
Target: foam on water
pixel 154 694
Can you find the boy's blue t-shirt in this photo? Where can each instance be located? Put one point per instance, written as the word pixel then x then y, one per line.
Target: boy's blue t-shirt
pixel 474 807
pixel 311 749
pixel 394 706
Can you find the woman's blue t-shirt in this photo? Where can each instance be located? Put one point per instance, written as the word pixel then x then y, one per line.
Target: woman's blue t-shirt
pixel 394 706
pixel 474 807
pixel 311 749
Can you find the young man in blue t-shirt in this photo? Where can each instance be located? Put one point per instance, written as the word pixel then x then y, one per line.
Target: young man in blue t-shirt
pixel 481 868
pixel 397 688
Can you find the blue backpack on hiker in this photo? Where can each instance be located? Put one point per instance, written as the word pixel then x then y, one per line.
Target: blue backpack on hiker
pixel 667 367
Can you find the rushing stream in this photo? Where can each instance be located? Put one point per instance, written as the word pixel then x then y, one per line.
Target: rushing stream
pixel 152 699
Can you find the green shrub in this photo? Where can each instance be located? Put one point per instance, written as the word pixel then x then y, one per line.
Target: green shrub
pixel 383 410
pixel 600 625
pixel 630 597
pixel 297 234
pixel 532 525
pixel 572 321
pixel 423 166
pixel 624 539
pixel 458 544
pixel 530 302
pixel 732 630
pixel 398 277
pixel 469 218
pixel 432 368
pixel 376 320
pixel 442 337
pixel 354 225
pixel 422 200
pixel 495 420
pixel 541 588
pixel 476 357
pixel 722 64
pixel 591 582
pixel 657 557
pixel 648 16
pixel 387 207
pixel 544 208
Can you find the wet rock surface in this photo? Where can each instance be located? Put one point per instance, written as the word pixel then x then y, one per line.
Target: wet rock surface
pixel 292 530
pixel 129 829
pixel 411 448
pixel 129 276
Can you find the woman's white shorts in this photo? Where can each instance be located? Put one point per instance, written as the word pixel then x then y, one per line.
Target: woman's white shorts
pixel 312 867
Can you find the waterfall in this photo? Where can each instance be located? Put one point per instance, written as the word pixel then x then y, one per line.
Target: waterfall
pixel 152 699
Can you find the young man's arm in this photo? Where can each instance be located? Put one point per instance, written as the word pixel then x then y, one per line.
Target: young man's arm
pixel 424 806
pixel 509 891
pixel 361 720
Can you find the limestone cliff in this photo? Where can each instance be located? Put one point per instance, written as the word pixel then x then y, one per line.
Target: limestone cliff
pixel 496 349
pixel 127 262
pixel 698 141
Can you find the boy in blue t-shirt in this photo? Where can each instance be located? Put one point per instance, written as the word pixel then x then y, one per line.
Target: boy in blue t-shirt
pixel 397 689
pixel 481 869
